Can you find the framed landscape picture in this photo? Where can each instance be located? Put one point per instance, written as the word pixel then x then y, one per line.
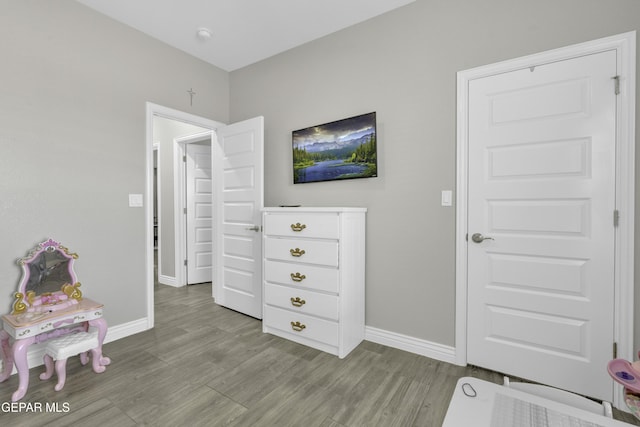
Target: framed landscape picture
pixel 344 149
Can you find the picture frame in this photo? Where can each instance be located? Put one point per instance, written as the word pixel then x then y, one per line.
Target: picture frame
pixel 338 150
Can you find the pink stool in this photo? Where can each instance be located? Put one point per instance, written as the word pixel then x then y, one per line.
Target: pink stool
pixel 61 348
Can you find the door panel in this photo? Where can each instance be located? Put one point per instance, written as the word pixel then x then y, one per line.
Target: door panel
pixel 199 213
pixel 239 153
pixel 540 160
pixel 542 189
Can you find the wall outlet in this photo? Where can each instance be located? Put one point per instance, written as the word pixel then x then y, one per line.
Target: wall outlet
pixel 135 200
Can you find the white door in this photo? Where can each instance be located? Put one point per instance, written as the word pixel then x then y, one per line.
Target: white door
pixel 199 212
pixel 541 182
pixel 238 159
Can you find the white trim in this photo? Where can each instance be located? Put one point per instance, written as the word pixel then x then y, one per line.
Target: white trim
pixel 180 200
pixel 168 280
pixel 625 46
pixel 425 348
pixel 625 203
pixel 149 249
pixel 117 332
pixel 155 110
pixel 179 222
pixel 217 174
pixel 158 246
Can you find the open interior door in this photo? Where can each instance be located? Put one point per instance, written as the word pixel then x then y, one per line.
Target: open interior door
pixel 198 224
pixel 237 157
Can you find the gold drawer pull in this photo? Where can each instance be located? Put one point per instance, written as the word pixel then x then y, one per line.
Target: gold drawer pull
pixel 297 326
pixel 297 252
pixel 298 277
pixel 298 227
pixel 297 302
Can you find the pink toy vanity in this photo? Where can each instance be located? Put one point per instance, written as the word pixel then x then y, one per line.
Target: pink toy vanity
pixel 628 374
pixel 48 304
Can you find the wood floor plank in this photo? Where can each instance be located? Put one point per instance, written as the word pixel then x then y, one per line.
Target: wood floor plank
pixel 405 405
pixel 205 365
pixel 249 381
pixel 98 413
pixel 292 402
pixel 195 406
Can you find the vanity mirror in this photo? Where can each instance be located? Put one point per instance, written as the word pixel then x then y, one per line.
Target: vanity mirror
pixel 48 281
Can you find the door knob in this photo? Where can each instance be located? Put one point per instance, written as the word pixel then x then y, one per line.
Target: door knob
pixel 254 228
pixel 479 238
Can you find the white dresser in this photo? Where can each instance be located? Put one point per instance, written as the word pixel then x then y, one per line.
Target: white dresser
pixel 314 276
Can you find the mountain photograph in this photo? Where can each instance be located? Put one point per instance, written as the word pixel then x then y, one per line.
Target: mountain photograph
pixel 344 149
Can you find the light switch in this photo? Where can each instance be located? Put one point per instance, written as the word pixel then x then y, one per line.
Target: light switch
pixel 135 200
pixel 447 198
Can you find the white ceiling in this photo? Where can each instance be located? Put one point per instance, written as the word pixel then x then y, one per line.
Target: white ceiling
pixel 243 31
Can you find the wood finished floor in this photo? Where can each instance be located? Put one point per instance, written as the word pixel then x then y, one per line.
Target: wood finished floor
pixel 204 365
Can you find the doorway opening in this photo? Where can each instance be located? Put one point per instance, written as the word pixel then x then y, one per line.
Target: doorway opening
pixel 161 122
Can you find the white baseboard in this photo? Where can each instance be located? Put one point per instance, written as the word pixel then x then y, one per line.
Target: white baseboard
pixel 126 329
pixel 36 351
pixel 168 280
pixel 430 349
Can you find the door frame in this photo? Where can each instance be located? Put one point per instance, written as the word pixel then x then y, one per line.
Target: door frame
pixel 152 111
pixel 625 47
pixel 180 200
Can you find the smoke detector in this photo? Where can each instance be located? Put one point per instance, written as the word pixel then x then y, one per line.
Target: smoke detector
pixel 203 34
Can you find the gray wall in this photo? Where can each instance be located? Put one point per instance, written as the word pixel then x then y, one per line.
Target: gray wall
pixel 403 66
pixel 73 88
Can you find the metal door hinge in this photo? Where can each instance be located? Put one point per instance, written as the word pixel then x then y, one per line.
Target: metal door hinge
pixel 184 159
pixel 616 83
pixel 616 218
pixel 185 262
pixel 185 211
pixel 615 350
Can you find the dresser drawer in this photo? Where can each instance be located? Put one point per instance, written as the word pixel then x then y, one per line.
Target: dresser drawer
pixel 299 250
pixel 325 226
pixel 302 276
pixel 301 301
pixel 309 327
